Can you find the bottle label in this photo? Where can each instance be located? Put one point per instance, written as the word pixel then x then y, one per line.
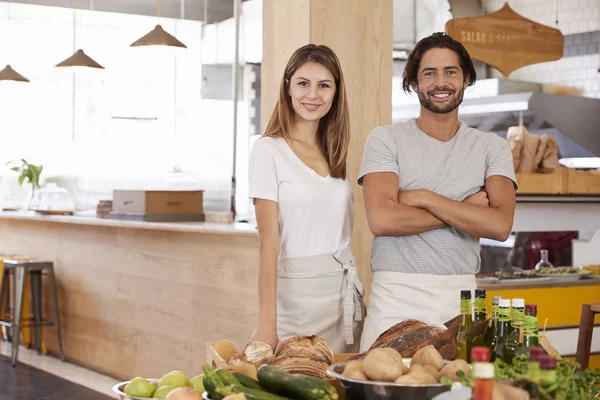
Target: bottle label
pixel 465 306
pixel 503 315
pixel 530 325
pixel 518 316
pixel 479 306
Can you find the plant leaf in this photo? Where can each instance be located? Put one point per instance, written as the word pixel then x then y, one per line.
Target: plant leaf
pixel 16 169
pixel 21 179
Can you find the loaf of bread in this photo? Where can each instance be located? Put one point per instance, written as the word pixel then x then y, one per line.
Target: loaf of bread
pixel 312 347
pixel 301 365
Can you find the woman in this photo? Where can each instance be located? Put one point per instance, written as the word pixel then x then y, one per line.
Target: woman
pixel 308 284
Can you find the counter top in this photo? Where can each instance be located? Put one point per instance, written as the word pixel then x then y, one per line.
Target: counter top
pixel 507 285
pixel 83 219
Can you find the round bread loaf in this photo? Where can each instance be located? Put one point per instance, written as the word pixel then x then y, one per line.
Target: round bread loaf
pixel 312 347
pixel 301 365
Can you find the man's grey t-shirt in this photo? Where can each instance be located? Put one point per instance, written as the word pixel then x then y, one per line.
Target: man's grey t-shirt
pixel 454 169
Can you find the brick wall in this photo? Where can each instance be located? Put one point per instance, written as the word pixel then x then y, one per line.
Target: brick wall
pixel 579 22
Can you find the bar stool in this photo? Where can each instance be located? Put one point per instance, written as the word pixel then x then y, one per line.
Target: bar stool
pixel 20 268
pixel 586 329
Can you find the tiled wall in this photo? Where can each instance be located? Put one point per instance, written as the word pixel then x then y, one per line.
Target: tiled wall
pixel 579 21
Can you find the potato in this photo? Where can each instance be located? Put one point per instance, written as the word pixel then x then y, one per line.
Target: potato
pixel 408 380
pixel 383 364
pixel 428 355
pixel 450 369
pixel 357 374
pixel 354 370
pixel 353 365
pixel 426 369
pixel 423 377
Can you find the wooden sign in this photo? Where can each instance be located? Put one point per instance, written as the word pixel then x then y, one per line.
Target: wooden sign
pixel 507 40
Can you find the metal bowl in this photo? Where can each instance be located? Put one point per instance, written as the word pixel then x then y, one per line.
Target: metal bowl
pixel 369 390
pixel 119 389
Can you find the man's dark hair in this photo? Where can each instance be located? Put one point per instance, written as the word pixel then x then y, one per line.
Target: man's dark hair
pixel 438 40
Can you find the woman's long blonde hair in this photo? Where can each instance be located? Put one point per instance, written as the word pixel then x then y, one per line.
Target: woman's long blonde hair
pixel 333 133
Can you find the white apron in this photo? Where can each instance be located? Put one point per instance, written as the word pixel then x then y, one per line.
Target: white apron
pixel 321 295
pixel 395 297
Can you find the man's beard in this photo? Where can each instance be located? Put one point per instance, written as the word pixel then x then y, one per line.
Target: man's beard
pixel 426 102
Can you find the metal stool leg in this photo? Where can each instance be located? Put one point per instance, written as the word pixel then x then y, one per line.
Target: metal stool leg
pixel 16 330
pixel 36 299
pixel 56 316
pixel 4 299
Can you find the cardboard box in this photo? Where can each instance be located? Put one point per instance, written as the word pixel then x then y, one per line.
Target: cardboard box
pixel 158 202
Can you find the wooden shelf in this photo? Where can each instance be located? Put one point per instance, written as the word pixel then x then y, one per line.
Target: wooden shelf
pixel 563 181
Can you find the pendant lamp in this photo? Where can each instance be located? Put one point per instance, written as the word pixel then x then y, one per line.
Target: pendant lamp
pixel 79 59
pixel 8 73
pixel 158 36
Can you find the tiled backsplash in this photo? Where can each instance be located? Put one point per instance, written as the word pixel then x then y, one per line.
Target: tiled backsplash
pixel 579 22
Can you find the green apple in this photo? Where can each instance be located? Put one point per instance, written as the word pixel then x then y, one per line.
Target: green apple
pixel 139 387
pixel 197 383
pixel 183 393
pixel 162 392
pixel 174 379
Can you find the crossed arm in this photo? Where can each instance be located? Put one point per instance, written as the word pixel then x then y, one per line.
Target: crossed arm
pixel 406 213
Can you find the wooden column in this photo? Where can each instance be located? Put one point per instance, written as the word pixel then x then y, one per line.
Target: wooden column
pixel 360 32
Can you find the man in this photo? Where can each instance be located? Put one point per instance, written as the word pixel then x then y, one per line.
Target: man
pixel 432 187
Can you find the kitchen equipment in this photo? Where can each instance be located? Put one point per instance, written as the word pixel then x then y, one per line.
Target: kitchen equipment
pixel 368 390
pixel 158 205
pixel 52 200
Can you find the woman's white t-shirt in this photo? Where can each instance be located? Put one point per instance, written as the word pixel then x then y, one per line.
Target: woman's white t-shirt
pixel 315 212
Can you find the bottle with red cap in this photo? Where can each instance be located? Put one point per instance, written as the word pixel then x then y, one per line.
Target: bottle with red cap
pixel 547 374
pixel 530 329
pixel 483 373
pixel 533 365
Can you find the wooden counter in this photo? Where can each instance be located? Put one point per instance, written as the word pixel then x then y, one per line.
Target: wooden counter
pixel 140 298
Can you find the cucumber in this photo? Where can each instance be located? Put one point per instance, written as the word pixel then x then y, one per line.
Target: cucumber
pixel 245 380
pixel 297 386
pixel 227 377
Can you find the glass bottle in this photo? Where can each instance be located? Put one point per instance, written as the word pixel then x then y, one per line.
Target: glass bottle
pixel 533 365
pixel 530 329
pixel 503 329
pixel 547 374
pixel 490 334
pixel 465 323
pixel 479 306
pixel 483 373
pixel 544 261
pixel 515 336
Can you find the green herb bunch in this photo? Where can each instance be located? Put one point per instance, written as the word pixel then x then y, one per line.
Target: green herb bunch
pixel 570 384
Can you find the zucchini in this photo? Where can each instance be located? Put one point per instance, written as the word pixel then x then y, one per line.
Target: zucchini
pixel 212 382
pixel 254 394
pixel 227 377
pixel 297 386
pixel 245 380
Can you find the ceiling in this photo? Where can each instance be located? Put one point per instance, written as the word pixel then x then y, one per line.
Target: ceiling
pixel 217 10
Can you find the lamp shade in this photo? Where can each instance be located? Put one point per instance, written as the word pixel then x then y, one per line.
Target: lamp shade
pixel 9 74
pixel 79 59
pixel 158 37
